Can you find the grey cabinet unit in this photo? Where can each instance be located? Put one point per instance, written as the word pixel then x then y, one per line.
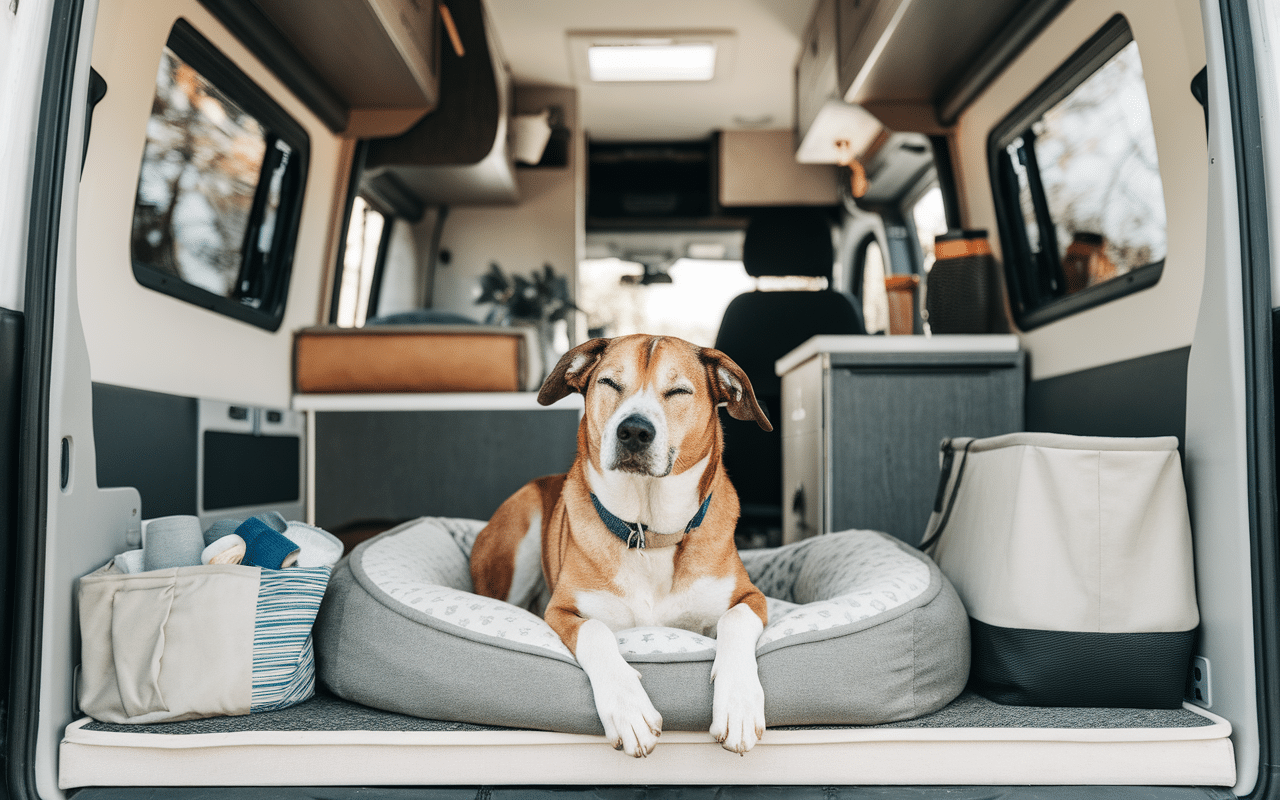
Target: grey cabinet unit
pixel 862 417
pixel 379 464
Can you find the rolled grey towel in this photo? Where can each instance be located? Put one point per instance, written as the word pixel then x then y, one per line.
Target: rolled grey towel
pixel 173 541
pixel 226 527
pixel 223 527
pixel 274 519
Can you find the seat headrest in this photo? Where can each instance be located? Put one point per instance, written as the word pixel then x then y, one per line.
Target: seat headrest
pixel 789 241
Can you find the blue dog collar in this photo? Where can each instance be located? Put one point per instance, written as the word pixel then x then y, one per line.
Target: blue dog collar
pixel 632 534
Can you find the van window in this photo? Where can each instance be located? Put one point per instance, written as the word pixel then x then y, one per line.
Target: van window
pixel 1078 190
pixel 367 236
pixel 686 299
pixel 220 188
pixel 929 216
pixel 875 299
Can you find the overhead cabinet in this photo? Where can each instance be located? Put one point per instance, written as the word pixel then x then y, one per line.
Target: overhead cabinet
pixel 892 63
pixel 460 153
pixel 758 168
pixel 823 118
pixel 378 59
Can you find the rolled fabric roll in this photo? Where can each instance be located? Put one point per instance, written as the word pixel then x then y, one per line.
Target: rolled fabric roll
pixel 265 546
pixel 174 541
pixel 316 547
pixel 275 519
pixel 229 549
pixel 225 527
pixel 221 528
pixel 129 562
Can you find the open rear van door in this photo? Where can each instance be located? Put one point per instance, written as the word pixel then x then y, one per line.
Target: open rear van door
pixel 1231 424
pixel 19 105
pixel 44 47
pixel 30 177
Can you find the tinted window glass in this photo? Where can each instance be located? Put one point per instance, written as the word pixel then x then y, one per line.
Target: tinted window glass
pixel 687 299
pixel 875 300
pixel 219 191
pixel 930 220
pixel 366 237
pixel 1078 185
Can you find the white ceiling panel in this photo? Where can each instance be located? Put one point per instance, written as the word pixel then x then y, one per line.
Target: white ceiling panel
pixel 755 92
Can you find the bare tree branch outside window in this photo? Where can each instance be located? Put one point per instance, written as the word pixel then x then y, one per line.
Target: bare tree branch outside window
pixel 1097 155
pixel 200 171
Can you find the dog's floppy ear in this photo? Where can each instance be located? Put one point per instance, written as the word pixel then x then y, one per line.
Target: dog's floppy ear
pixel 570 375
pixel 731 387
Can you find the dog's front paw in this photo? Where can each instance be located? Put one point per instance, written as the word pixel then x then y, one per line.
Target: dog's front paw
pixel 630 721
pixel 737 705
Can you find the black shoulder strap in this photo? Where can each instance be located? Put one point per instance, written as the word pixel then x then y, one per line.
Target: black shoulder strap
pixel 943 502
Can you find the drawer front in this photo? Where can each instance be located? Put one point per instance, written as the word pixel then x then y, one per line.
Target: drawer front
pixel 803 486
pixel 802 399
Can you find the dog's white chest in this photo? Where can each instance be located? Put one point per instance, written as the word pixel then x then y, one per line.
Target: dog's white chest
pixel 644 596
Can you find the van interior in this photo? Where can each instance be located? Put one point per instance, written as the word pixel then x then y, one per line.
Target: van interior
pixel 317 258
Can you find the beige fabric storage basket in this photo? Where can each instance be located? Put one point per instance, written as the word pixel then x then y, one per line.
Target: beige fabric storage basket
pixel 1073 556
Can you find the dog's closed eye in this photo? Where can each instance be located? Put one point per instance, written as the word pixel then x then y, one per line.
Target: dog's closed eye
pixel 677 390
pixel 611 383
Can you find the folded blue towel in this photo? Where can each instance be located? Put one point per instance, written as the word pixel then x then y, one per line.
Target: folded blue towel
pixel 265 546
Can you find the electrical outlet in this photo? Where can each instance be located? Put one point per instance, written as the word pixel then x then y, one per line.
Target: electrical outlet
pixel 1198 683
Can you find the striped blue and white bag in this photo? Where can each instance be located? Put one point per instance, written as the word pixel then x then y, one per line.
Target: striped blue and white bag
pixel 202 641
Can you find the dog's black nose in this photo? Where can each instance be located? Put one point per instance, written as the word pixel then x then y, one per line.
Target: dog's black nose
pixel 635 432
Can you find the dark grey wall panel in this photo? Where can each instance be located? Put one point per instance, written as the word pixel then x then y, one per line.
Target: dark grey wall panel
pixel 404 464
pixel 1144 396
pixel 147 440
pixel 886 426
pixel 245 470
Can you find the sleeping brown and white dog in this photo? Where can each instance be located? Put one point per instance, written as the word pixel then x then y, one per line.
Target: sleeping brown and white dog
pixel 640 530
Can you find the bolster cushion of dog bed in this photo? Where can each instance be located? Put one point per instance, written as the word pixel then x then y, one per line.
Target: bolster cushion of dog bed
pixel 862 630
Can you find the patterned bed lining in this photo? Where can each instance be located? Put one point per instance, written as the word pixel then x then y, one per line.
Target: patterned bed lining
pixel 325 712
pixel 826 583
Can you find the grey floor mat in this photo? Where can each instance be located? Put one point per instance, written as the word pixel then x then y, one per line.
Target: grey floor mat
pixel 971 710
pixel 325 712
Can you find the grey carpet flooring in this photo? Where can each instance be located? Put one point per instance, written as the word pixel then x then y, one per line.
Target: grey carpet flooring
pixel 325 712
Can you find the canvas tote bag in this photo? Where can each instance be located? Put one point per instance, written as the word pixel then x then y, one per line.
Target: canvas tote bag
pixel 1073 557
pixel 201 641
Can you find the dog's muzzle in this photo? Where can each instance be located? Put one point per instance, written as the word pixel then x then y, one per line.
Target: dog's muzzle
pixel 633 448
pixel 635 434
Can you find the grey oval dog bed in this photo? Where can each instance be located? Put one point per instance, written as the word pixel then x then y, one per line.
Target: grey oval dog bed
pixel 862 630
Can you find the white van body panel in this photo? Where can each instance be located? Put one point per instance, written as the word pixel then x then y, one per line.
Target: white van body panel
pixel 200 353
pixel 94 282
pixel 23 34
pixel 1107 333
pixel 86 525
pixel 1216 441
